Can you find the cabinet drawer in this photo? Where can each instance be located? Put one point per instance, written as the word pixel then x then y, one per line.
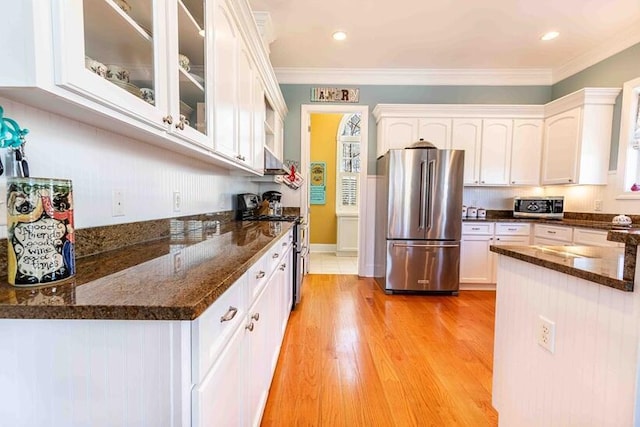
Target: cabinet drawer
pixel 211 331
pixel 513 229
pixel 477 228
pixel 554 232
pixel 276 253
pixel 587 237
pixel 257 277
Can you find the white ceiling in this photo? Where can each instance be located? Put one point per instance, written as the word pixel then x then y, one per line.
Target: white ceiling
pixel 449 34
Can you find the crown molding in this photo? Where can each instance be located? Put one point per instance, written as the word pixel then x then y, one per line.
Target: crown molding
pixel 431 77
pixel 612 46
pixel 586 96
pixel 458 111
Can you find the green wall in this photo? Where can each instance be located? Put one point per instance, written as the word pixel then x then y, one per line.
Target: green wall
pixel 611 72
pixel 297 95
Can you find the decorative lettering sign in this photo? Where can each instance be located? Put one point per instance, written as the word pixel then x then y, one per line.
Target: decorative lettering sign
pixel 334 94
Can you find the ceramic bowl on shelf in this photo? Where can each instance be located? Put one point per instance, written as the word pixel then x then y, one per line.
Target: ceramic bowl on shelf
pixel 148 95
pixel 124 5
pixel 184 62
pixel 95 66
pixel 116 72
pixel 621 220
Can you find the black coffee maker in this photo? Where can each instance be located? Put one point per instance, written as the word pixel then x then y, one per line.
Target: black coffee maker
pixel 275 202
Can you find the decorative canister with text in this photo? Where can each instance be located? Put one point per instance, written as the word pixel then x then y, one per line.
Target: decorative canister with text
pixel 40 231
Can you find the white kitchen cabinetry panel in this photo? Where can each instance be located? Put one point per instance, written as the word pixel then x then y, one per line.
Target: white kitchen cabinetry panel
pixel 559 234
pixel 347 235
pixel 576 137
pixel 435 130
pixel 218 400
pixel 225 80
pixel 526 152
pixel 588 237
pixel 495 152
pixel 259 118
pixel 513 229
pixel 467 136
pixel 245 106
pixel 475 258
pixel 396 133
pixel 192 112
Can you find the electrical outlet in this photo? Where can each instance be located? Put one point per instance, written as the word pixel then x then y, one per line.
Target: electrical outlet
pixel 597 205
pixel 546 334
pixel 117 203
pixel 177 201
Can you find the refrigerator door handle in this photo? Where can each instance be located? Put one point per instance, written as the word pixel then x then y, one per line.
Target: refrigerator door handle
pixel 430 183
pixel 423 201
pixel 404 245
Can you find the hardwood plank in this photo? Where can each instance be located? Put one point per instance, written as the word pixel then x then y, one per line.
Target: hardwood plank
pixel 353 356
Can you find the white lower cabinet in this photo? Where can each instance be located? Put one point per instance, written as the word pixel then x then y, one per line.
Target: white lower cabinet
pixel 477 262
pixel 475 257
pixel 552 235
pixel 235 389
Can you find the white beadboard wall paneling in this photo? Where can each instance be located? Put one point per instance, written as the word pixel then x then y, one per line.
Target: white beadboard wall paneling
pixel 497 198
pixel 125 381
pixel 99 161
pixel 591 378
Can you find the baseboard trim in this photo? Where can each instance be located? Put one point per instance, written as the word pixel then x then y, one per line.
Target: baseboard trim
pixel 322 247
pixel 477 286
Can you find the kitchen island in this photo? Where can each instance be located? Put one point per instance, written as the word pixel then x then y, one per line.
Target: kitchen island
pixel 584 372
pixel 178 331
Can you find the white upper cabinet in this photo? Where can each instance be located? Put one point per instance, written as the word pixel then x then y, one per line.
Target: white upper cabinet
pixel 577 136
pixel 467 136
pixel 437 131
pixel 396 133
pixel 180 74
pixel 526 152
pixel 495 152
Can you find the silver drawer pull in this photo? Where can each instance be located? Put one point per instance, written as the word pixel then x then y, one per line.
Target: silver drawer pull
pixel 283 266
pixel 475 228
pixel 274 256
pixel 285 243
pixel 249 327
pixel 256 316
pixel 230 314
pixel 512 229
pixel 551 232
pixel 260 275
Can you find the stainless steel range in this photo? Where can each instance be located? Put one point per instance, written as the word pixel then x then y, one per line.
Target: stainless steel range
pixel 248 205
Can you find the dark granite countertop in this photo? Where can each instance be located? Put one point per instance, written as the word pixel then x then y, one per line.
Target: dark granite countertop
pixel 603 265
pixel 171 278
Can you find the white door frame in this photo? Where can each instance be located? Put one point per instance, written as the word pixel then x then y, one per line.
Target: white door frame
pixel 305 159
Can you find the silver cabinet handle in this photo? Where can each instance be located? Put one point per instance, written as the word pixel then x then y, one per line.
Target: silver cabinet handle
pixel 513 182
pixel 512 229
pixel 274 256
pixel 283 266
pixel 285 243
pixel 249 327
pixel 230 314
pixel 551 232
pixel 402 245
pixel 255 316
pixel 167 119
pixel 260 275
pixel 475 228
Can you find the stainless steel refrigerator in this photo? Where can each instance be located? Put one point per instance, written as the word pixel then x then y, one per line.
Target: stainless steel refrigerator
pixel 419 220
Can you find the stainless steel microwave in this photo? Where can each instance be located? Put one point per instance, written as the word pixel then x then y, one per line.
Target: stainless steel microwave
pixel 538 207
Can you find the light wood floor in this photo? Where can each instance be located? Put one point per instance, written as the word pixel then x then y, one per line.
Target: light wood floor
pixel 353 356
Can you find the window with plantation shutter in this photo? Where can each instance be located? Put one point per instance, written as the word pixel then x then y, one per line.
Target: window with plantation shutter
pixel 348 164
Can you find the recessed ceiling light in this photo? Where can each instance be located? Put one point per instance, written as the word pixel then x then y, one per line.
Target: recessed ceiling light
pixel 339 35
pixel 550 35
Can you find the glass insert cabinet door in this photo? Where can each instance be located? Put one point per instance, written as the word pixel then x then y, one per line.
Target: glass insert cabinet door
pixel 187 68
pixel 107 52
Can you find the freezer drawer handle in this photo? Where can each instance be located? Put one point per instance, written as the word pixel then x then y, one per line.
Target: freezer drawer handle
pixel 230 314
pixel 403 245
